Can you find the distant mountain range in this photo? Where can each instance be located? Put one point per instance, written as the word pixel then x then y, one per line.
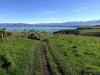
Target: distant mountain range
pixel 66 24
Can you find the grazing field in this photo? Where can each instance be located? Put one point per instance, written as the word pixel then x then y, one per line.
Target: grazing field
pixel 96 27
pixel 73 55
pixel 63 54
pixel 19 56
pixel 90 32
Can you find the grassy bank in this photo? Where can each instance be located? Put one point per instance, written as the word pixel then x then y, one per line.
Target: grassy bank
pixel 66 54
pixel 90 32
pixel 73 55
pixel 19 56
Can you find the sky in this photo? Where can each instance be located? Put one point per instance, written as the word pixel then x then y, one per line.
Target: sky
pixel 48 11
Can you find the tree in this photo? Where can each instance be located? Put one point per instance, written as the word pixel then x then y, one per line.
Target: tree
pixel 44 31
pixel 4 29
pixel 24 30
pixel 38 31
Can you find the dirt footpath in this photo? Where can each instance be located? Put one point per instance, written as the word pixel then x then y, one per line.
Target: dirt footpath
pixel 44 68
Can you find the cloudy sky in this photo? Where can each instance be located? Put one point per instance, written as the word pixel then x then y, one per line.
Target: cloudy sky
pixel 48 11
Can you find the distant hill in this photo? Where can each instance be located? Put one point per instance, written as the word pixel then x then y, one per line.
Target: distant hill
pixel 66 24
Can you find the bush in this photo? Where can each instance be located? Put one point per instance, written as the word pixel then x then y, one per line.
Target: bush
pixel 15 30
pixel 76 32
pixel 4 29
pixel 4 33
pixel 9 33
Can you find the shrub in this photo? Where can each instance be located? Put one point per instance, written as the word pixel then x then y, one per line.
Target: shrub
pixel 15 30
pixel 4 33
pixel 4 29
pixel 9 33
pixel 76 32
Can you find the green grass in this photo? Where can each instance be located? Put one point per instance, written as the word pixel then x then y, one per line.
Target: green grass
pixel 23 54
pixel 73 55
pixel 66 55
pixel 90 32
pixel 96 27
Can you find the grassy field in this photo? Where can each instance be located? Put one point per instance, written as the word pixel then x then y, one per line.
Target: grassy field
pixel 73 55
pixel 93 31
pixel 66 54
pixel 90 32
pixel 19 56
pixel 96 27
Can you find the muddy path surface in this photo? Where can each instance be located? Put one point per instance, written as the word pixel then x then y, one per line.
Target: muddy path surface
pixel 44 67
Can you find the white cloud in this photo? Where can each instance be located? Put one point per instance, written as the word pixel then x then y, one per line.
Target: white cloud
pixel 85 7
pixel 77 10
pixel 50 12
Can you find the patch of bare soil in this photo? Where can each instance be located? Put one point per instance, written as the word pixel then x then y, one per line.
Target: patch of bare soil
pixel 44 67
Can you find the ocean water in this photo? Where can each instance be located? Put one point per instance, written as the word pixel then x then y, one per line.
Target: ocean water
pixel 41 29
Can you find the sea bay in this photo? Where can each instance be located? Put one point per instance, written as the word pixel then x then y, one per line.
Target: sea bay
pixel 41 29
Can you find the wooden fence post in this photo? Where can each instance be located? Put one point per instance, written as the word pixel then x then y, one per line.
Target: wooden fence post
pixel 26 35
pixel 6 35
pixel 2 35
pixel 45 34
pixel 21 29
pixel 12 35
pixel 20 35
